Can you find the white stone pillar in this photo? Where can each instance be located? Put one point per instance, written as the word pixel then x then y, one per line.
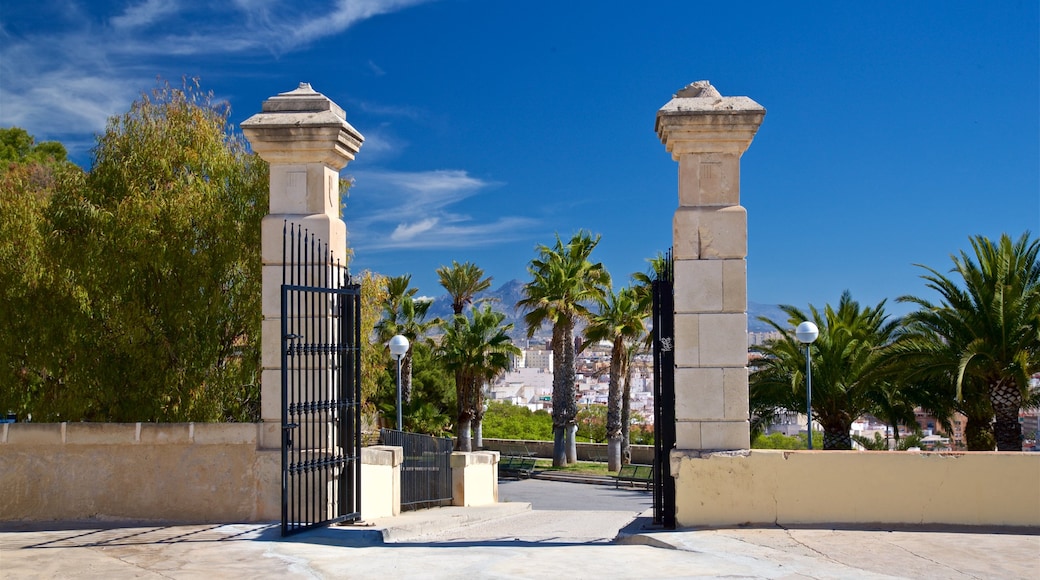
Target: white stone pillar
pixel 707 133
pixel 306 139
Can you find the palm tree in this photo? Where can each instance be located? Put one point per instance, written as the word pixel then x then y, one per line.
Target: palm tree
pixel 619 320
pixel 988 322
pixel 463 282
pixel 660 269
pixel 563 282
pixel 845 369
pixel 477 348
pixel 404 314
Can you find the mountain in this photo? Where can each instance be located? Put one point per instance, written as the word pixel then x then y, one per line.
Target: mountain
pixel 505 297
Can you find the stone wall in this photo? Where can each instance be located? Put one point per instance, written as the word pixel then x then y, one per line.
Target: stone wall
pixel 856 487
pixel 641 454
pixel 175 472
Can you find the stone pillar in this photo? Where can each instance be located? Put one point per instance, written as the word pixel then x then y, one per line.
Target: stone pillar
pixel 707 133
pixel 306 139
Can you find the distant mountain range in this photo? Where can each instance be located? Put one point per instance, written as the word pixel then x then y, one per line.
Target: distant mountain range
pixel 505 297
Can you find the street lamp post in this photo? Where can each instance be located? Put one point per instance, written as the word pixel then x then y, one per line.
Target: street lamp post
pixel 807 333
pixel 398 348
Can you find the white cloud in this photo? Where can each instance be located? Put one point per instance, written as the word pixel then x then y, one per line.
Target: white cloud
pixel 145 13
pixel 66 77
pixel 397 210
pixel 408 232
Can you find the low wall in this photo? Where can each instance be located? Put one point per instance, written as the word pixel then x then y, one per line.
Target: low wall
pixel 178 472
pixel 856 487
pixel 642 454
pixel 474 478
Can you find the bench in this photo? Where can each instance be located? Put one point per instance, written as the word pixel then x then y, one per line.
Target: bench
pixel 516 450
pixel 634 474
pixel 514 466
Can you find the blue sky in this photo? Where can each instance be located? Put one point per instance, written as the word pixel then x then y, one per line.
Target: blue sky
pixel 894 130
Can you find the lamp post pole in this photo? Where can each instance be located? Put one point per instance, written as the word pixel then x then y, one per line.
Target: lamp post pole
pixel 398 347
pixel 807 333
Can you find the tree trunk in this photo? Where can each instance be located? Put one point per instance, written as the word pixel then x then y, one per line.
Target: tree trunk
pixel 614 453
pixel 465 443
pixel 626 421
pixel 478 433
pixel 559 446
pixel 1006 399
pixel 572 443
pixel 835 434
pixel 617 359
pixel 565 407
pixel 978 433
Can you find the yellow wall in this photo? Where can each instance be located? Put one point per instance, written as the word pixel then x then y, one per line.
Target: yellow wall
pixel 206 472
pixel 856 487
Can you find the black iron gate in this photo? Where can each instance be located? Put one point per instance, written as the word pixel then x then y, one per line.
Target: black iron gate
pixel 664 394
pixel 321 386
pixel 426 469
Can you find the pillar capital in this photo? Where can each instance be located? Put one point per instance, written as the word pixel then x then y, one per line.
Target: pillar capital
pixel 700 120
pixel 303 126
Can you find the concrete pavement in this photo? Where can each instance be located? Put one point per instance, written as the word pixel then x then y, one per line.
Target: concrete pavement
pixel 513 540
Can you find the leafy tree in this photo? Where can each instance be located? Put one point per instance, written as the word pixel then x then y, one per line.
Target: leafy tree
pixel 433 392
pixel 985 328
pixel 878 443
pixel 373 356
pixel 17 145
pixel 463 282
pixel 151 274
pixel 778 441
pixel 844 368
pixel 504 420
pixel 592 424
pixel 404 314
pixel 642 284
pixel 477 349
pixel 564 281
pixel 619 320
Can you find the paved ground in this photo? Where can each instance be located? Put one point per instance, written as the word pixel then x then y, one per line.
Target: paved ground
pixel 559 533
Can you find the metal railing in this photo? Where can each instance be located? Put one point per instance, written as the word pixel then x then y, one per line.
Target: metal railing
pixel 426 470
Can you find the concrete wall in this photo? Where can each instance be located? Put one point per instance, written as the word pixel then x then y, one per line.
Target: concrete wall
pixel 474 478
pixel 381 481
pixel 180 472
pixel 184 472
pixel 642 454
pixel 856 487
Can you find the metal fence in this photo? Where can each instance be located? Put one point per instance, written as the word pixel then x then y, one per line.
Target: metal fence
pixel 426 471
pixel 321 386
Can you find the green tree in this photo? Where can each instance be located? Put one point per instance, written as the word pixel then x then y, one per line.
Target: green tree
pixel 17 145
pixel 463 282
pixel 504 420
pixel 845 366
pixel 404 314
pixel 620 321
pixel 986 328
pixel 152 274
pixel 477 349
pixel 564 281
pixel 373 356
pixel 642 283
pixel 592 424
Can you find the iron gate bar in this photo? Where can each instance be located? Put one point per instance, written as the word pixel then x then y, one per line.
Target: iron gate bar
pixel 664 393
pixel 321 445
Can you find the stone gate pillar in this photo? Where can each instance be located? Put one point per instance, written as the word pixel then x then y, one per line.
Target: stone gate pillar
pixel 707 133
pixel 306 139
